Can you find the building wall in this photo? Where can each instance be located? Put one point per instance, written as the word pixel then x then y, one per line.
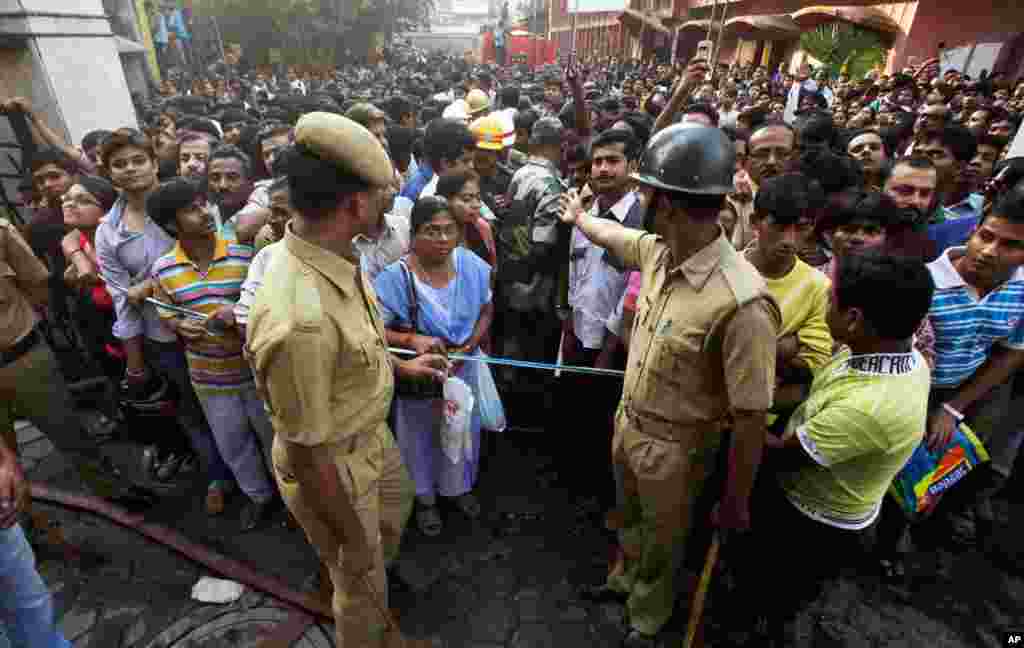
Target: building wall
pixel 78 82
pixel 923 24
pixel 21 70
pixel 986 22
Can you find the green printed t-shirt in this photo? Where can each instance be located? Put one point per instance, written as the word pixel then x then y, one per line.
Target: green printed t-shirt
pixel 863 419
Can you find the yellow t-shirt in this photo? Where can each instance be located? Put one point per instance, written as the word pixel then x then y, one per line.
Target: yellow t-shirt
pixel 803 298
pixel 863 419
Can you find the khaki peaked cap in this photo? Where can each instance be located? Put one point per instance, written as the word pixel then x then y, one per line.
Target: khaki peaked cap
pixel 346 144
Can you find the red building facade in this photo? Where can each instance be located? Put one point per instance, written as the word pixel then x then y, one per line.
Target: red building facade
pixel 984 34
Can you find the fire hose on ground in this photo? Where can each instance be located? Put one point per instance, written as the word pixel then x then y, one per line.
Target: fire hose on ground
pixel 305 608
pixel 223 565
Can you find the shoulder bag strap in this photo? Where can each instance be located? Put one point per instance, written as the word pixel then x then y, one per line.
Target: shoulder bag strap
pixel 414 304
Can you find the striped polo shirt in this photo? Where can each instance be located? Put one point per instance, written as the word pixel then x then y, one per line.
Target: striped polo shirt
pixel 966 327
pixel 215 362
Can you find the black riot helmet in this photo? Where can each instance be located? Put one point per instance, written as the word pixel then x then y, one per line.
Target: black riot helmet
pixel 689 158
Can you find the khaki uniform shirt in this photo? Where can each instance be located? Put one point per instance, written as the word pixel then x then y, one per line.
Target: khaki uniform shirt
pixel 743 233
pixel 19 267
pixel 704 337
pixel 317 346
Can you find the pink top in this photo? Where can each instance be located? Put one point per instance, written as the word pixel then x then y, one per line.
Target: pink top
pixel 632 291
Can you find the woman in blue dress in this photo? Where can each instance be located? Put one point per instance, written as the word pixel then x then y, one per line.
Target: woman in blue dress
pixel 449 290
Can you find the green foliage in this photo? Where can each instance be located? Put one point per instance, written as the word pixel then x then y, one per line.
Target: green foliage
pixel 305 31
pixel 840 44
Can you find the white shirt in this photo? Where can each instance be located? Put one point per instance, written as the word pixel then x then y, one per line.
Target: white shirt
pixel 390 246
pixel 253 281
pixel 595 288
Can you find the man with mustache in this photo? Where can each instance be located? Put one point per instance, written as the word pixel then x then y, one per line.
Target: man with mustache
pixel 702 354
pixel 911 183
pixel 596 285
pixel 951 150
pixel 194 156
pixel 770 148
pixel 320 358
pixel 230 184
pixel 784 213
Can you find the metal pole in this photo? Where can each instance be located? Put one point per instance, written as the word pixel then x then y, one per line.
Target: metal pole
pixel 572 52
pixel 536 18
pixel 711 21
pixel 718 44
pixel 220 43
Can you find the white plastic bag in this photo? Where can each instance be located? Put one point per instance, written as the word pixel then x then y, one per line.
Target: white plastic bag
pixel 217 590
pixel 492 411
pixel 456 432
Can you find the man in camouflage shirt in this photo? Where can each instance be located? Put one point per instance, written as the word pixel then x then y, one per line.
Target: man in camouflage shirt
pixel 533 248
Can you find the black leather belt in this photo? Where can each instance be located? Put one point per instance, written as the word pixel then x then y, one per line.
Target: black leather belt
pixel 20 348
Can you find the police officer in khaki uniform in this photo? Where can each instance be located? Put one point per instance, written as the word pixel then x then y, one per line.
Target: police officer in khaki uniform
pixel 702 356
pixel 317 346
pixel 30 380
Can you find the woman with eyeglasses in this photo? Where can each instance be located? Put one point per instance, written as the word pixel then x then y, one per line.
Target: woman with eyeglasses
pixel 83 206
pixel 437 298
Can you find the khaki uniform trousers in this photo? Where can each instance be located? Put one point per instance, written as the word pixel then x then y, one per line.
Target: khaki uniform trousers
pixel 659 483
pixel 381 491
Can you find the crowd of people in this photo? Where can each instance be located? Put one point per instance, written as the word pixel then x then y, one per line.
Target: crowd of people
pixel 800 280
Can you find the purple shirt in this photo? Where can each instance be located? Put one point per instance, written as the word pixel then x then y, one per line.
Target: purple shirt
pixel 125 259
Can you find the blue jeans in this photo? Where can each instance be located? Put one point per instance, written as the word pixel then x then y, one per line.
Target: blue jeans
pixel 26 608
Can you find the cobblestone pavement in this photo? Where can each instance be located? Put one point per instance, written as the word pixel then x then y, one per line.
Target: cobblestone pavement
pixel 507 579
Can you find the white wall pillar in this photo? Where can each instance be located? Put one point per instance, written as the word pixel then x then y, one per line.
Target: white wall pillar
pixel 78 83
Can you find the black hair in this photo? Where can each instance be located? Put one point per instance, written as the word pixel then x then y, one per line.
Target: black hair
pixel 509 97
pixel 1010 205
pixel 816 130
pixel 424 211
pixel 736 134
pixel 232 152
pixel 53 156
pixel 960 141
pixel 577 153
pixel 992 140
pixel 834 172
pixel 641 123
pixel 758 117
pixel 446 139
pixel 94 138
pixel 854 134
pixel 163 204
pixel 399 107
pixel 855 205
pixel 893 292
pixel 905 122
pixel 271 129
pixel 400 140
pixel 631 146
pixel 316 187
pixel 703 109
pixel 788 197
pixel 122 138
pixel 525 119
pixel 449 184
pixel 773 123
pixel 429 114
pixel 918 162
pixel 200 125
